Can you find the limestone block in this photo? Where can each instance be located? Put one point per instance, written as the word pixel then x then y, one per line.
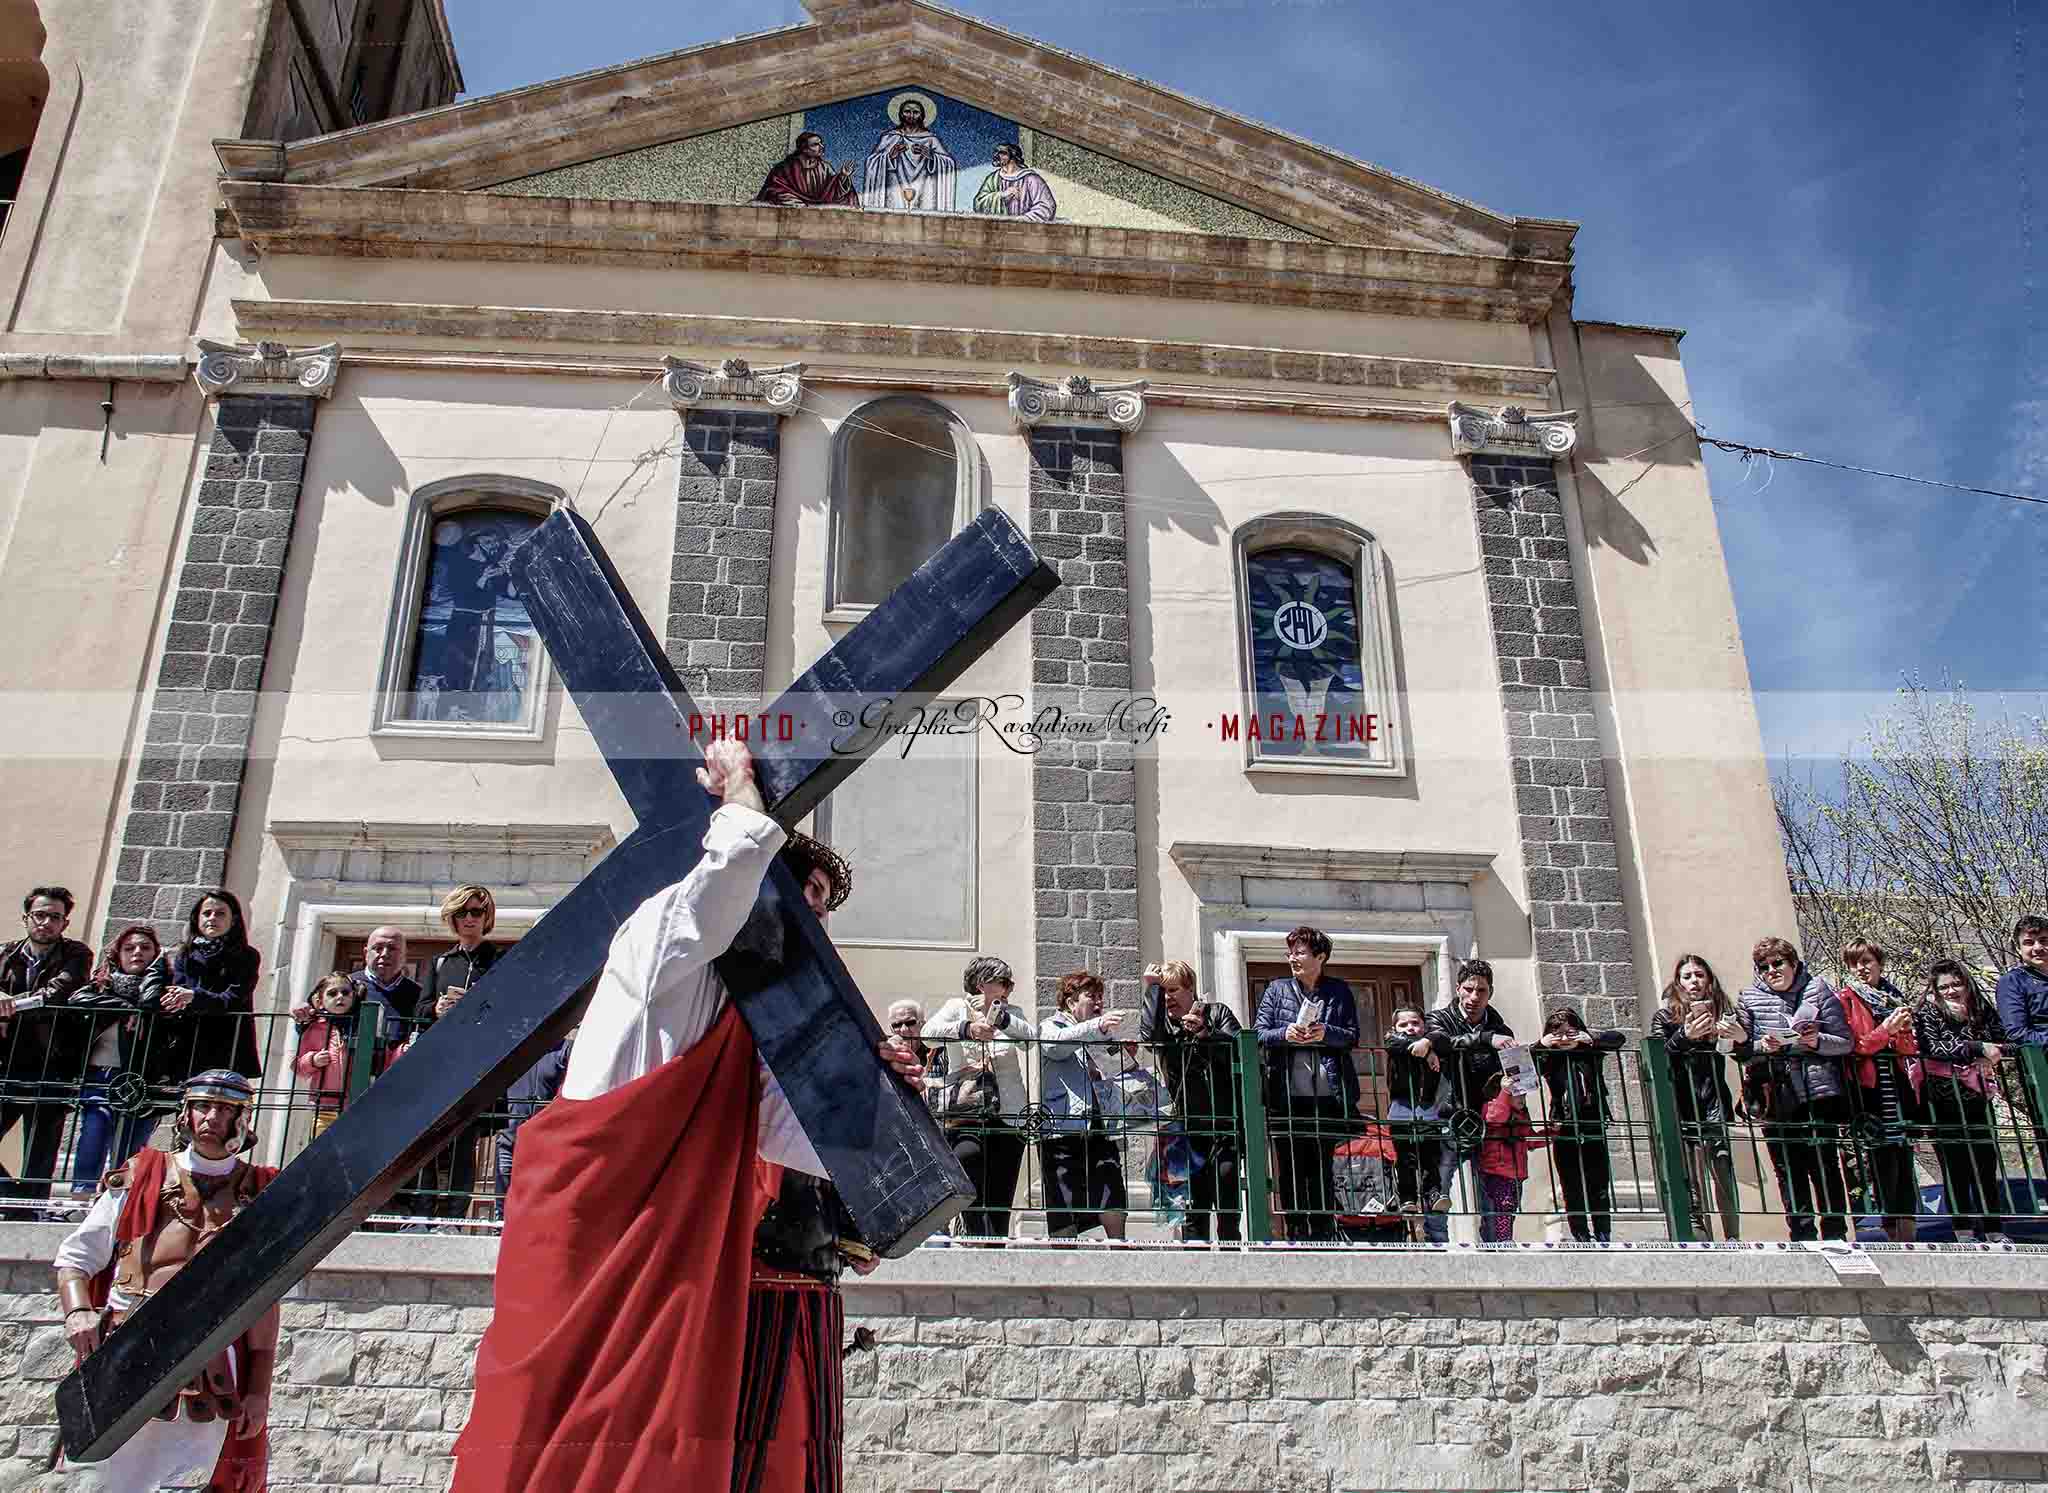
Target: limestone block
pixel 1168 1373
pixel 919 1373
pixel 1001 1373
pixel 1095 1374
pixel 873 1425
pixel 959 1331
pixel 1123 1332
pixel 47 1355
pixel 1037 1332
pixel 394 1358
pixel 319 1357
pixel 1867 1466
pixel 1230 1374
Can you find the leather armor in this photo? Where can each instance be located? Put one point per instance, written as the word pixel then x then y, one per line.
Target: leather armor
pixel 807 1229
pixel 192 1211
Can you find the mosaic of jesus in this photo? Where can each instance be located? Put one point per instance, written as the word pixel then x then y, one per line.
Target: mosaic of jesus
pixel 909 150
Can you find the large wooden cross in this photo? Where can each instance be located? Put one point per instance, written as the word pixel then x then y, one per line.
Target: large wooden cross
pixel 812 1026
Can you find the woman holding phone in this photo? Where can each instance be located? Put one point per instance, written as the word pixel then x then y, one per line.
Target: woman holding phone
pixel 1700 1026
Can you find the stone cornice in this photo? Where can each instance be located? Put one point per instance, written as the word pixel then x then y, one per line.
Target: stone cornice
pixel 1237 398
pixel 390 223
pixel 268 368
pixel 859 49
pixel 294 835
pixel 733 384
pixel 1512 431
pixel 1076 400
pixel 1201 858
pixel 487 326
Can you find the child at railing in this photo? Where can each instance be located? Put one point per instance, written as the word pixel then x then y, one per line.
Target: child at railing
pixel 1414 1073
pixel 324 1048
pixel 1573 1063
pixel 1504 1160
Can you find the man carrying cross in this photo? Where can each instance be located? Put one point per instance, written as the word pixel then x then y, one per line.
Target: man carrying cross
pixel 644 1336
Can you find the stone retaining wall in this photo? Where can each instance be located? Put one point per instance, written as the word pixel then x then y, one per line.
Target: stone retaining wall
pixel 1145 1371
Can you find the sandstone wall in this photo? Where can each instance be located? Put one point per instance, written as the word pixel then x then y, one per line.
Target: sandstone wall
pixel 1147 1371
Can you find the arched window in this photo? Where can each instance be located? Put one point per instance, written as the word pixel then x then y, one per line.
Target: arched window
pixel 1317 649
pixel 461 656
pixel 904 472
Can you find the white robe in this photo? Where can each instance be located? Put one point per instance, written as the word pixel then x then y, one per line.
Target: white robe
pixel 925 171
pixel 659 994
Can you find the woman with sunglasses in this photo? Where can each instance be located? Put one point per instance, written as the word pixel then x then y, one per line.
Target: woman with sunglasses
pixel 469 912
pixel 1797 1036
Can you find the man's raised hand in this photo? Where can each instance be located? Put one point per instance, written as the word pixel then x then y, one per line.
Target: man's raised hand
pixel 728 771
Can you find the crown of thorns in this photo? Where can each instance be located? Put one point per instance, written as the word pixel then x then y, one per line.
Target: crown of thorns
pixel 805 855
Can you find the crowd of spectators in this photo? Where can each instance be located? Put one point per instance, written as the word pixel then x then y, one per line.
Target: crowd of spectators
pixel 1838 1086
pixel 1844 1084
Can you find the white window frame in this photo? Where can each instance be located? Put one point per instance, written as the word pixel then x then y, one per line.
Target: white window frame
pixel 430 504
pixel 1357 548
pixel 966 486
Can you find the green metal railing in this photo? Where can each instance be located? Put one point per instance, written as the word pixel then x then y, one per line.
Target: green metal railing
pixel 1286 1163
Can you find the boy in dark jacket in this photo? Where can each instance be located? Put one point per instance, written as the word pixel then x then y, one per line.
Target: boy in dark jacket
pixel 1467 1035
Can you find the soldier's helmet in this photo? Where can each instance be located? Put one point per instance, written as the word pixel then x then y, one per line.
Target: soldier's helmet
pixel 221 1084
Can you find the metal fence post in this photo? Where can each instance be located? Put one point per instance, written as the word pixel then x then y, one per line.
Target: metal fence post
pixel 362 1058
pixel 1258 1220
pixel 2034 1092
pixel 1667 1146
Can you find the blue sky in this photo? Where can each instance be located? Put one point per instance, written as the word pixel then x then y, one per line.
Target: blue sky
pixel 1842 204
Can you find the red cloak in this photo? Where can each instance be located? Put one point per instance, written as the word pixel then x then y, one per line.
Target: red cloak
pixel 244 1464
pixel 614 1358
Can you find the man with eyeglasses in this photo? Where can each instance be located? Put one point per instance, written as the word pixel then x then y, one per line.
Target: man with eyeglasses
pixel 45 1055
pixel 1797 1036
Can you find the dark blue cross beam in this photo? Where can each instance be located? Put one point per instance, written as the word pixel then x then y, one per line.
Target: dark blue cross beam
pixel 882 1148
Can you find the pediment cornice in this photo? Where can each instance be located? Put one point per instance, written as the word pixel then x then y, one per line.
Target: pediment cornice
pixel 384 223
pixel 857 48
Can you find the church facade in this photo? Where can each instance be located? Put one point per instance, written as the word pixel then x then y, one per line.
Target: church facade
pixel 1392 596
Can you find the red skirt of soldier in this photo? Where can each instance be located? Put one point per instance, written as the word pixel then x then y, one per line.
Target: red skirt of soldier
pixel 615 1356
pixel 792 1401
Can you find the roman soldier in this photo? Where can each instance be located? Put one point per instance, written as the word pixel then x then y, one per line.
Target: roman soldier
pixel 150 1219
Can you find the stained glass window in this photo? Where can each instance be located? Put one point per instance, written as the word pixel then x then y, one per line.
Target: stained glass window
pixel 474 650
pixel 1308 683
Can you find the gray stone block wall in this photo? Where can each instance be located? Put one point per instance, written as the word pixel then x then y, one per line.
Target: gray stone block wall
pixel 1330 1374
pixel 1083 788
pixel 1584 955
pixel 717 634
pixel 187 781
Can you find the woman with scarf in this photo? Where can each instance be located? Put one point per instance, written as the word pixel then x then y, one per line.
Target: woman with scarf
pixel 114 997
pixel 1961 1043
pixel 1886 1095
pixel 202 995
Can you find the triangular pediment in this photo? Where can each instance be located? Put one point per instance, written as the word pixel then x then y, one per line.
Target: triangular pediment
pixel 1091 146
